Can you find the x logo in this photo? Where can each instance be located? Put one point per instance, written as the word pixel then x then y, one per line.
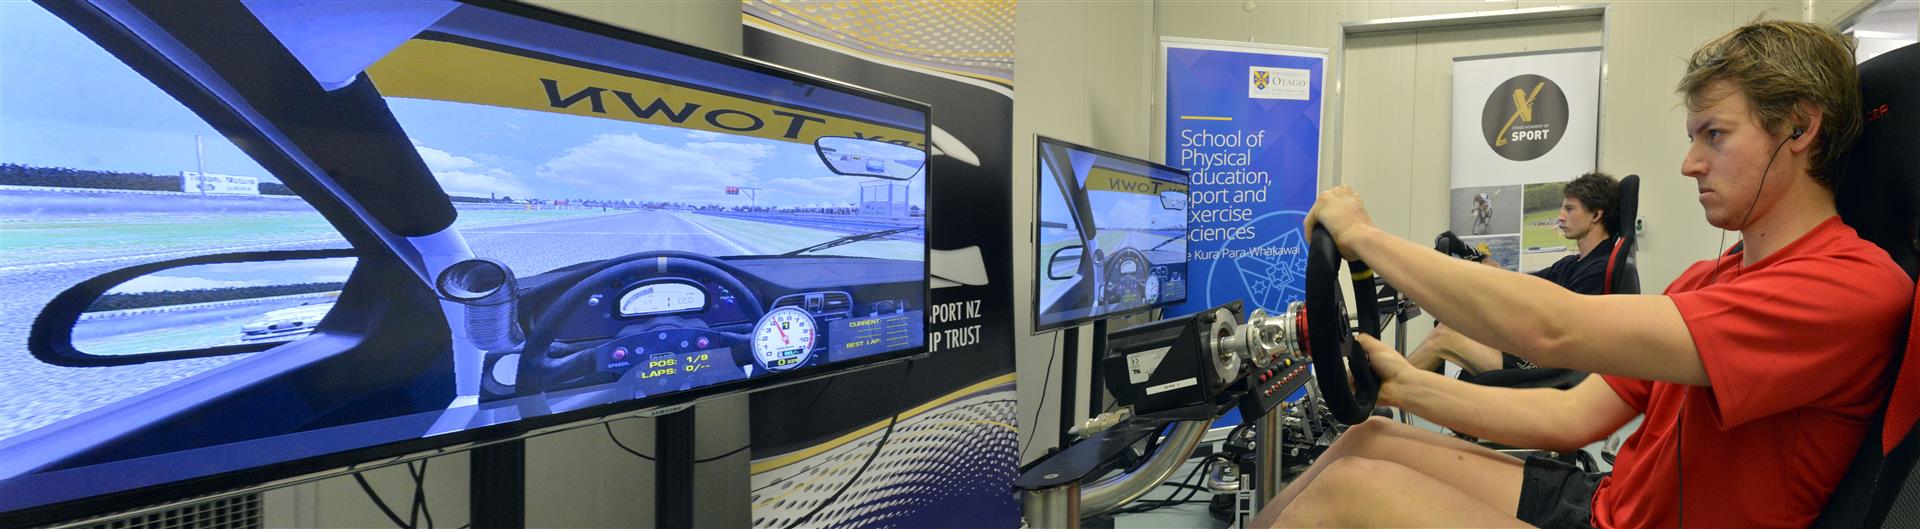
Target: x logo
pixel 1522 110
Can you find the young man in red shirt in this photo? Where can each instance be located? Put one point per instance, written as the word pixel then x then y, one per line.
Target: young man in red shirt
pixel 1757 372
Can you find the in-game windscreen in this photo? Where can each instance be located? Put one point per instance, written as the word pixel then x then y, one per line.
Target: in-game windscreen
pixel 242 235
pixel 1111 234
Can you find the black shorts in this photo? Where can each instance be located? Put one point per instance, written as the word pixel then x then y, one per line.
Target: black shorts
pixel 1557 495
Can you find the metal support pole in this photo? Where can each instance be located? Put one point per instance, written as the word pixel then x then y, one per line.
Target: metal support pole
pixel 1097 384
pixel 1069 376
pixel 1400 344
pixel 1268 459
pixel 1054 508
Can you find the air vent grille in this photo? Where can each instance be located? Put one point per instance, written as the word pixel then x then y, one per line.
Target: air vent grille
pixel 238 512
pixel 818 303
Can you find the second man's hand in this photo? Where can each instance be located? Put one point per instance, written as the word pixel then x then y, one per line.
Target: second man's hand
pixel 1388 365
pixel 1342 213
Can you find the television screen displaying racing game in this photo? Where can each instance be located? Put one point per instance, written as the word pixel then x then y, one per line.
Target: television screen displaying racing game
pixel 1112 235
pixel 242 241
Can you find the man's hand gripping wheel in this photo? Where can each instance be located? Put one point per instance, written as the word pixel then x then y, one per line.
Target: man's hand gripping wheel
pixel 1340 365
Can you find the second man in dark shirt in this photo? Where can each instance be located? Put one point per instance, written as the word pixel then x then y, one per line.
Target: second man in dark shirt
pixel 1588 216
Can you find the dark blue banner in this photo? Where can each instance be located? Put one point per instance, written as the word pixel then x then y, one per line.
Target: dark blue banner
pixel 1246 121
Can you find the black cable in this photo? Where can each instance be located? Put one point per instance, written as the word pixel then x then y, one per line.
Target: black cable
pixel 1184 483
pixel 382 504
pixel 817 394
pixel 1237 431
pixel 1719 254
pixel 891 421
pixel 1152 505
pixel 420 491
pixel 1680 439
pixel 623 446
pixel 1153 442
pixel 419 496
pixel 1149 504
pixel 1178 485
pixel 636 453
pixel 1046 378
pixel 1195 489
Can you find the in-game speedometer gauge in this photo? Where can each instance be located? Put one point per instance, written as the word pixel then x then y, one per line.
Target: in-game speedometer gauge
pixel 783 339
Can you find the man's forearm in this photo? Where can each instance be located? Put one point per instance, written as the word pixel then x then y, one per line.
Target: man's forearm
pixel 1524 418
pixel 1503 310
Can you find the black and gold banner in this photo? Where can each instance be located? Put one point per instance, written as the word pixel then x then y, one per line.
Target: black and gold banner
pixel 952 455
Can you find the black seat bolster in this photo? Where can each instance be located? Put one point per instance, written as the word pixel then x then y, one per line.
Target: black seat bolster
pixel 1847 506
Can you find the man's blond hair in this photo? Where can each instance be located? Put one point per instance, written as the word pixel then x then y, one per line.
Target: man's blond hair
pixel 1779 65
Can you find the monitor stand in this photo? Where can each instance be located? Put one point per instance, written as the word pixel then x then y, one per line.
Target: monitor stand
pixel 1096 382
pixel 1096 378
pixel 497 477
pixel 497 485
pixel 673 469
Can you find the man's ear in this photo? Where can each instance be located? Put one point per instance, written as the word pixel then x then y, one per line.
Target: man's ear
pixel 1807 120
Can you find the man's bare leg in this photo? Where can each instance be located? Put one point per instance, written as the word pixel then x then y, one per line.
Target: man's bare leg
pixel 1447 345
pixel 1362 492
pixel 1491 477
pixel 1427 356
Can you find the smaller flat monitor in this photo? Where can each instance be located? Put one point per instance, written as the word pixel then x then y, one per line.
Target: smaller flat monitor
pixel 1111 235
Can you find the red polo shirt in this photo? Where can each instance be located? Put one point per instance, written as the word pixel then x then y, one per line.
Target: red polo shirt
pixel 1796 348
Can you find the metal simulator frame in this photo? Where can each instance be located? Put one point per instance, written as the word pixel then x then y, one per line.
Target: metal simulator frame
pixel 1183 372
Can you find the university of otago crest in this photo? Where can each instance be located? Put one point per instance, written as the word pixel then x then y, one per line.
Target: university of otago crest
pixel 1267 82
pixel 1524 117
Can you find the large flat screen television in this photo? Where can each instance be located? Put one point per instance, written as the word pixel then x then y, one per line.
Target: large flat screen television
pixel 1111 235
pixel 245 241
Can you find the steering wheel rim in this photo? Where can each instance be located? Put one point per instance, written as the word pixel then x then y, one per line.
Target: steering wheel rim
pixel 536 369
pixel 1337 358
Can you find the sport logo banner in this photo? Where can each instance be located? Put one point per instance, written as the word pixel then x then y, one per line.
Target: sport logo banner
pixel 1524 117
pixel 1523 124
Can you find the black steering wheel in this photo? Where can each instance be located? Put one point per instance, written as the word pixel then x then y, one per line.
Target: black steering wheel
pixel 1337 358
pixel 1118 283
pixel 540 366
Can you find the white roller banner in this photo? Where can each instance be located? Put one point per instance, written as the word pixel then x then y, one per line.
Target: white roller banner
pixel 1523 124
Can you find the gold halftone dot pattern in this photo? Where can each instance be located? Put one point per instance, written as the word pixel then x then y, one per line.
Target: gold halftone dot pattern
pixel 964 449
pixel 970 36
